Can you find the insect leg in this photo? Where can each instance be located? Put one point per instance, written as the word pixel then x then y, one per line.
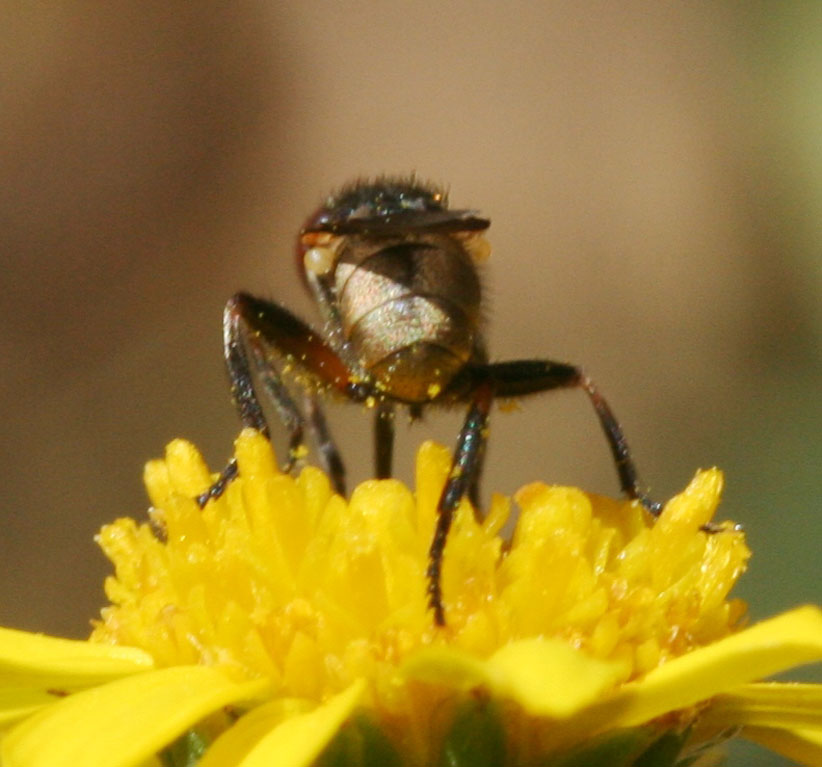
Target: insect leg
pixel 329 453
pixel 242 391
pixel 474 487
pixel 466 463
pixel 383 439
pixel 268 328
pixel 284 404
pixel 513 379
pixel 219 485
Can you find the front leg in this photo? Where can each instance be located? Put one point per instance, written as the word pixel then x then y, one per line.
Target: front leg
pixel 266 327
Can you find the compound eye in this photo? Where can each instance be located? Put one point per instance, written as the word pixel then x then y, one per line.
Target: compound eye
pixel 319 260
pixel 321 252
pixel 478 248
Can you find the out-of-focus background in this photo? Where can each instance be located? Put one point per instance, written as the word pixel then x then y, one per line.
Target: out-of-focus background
pixel 654 177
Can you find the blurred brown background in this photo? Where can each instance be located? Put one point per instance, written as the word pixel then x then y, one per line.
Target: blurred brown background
pixel 654 176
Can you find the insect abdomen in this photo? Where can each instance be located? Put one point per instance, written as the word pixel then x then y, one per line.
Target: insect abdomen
pixel 410 312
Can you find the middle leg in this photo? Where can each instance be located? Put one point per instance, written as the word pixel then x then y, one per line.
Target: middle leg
pixel 330 456
pixel 461 481
pixel 383 439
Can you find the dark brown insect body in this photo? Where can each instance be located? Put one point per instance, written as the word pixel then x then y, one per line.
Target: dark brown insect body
pixel 410 312
pixel 394 274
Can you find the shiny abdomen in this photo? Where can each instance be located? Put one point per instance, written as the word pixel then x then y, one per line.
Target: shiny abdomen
pixel 410 313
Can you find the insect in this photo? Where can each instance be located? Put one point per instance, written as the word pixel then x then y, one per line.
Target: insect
pixel 394 273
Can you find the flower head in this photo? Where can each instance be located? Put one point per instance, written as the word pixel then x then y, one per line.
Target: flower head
pixel 282 623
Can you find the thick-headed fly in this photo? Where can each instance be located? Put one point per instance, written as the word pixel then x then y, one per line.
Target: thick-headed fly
pixel 394 274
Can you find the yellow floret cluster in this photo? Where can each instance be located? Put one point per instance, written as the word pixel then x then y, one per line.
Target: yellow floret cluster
pixel 282 579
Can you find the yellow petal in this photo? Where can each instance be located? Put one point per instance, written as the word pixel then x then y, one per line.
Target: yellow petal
pixel 803 745
pixel 124 722
pixel 187 470
pixel 546 677
pixel 770 704
pixel 774 645
pixel 550 678
pixel 255 456
pixel 19 702
pixel 264 737
pixel 42 661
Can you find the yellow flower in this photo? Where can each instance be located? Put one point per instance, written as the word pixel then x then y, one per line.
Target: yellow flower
pixel 283 625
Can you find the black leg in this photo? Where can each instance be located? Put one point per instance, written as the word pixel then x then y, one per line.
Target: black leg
pixel 219 486
pixel 272 331
pixel 383 439
pixel 284 404
pixel 474 487
pixel 239 370
pixel 514 379
pixel 626 470
pixel 462 477
pixel 329 453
